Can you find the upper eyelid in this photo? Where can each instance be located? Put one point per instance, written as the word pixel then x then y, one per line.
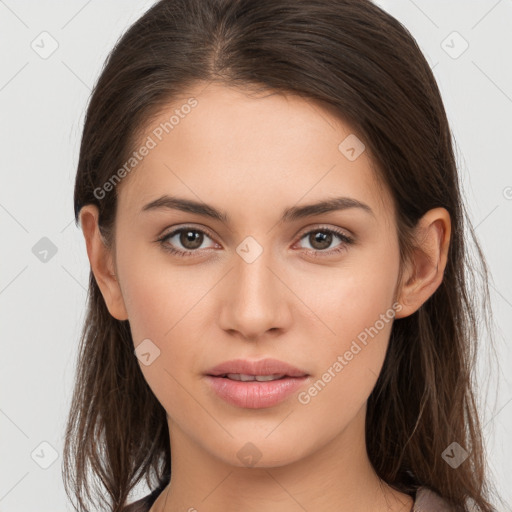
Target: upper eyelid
pixel 174 231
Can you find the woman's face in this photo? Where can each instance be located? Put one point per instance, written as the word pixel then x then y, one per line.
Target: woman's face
pixel 256 285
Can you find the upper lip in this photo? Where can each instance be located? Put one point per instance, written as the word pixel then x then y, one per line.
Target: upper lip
pixel 262 367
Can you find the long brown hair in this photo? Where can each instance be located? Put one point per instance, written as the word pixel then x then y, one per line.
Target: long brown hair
pixel 361 63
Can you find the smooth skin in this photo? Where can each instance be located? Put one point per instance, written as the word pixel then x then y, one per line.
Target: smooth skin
pixel 252 156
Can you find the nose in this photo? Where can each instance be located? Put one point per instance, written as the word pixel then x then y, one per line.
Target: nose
pixel 255 299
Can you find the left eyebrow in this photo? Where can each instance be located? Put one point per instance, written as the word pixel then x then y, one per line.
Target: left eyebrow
pixel 289 214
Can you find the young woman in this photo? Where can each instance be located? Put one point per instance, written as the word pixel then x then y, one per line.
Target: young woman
pixel 279 316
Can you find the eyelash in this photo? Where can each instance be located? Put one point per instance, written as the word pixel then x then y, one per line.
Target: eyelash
pixel 346 240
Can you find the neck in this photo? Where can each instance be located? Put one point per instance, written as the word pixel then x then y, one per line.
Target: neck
pixel 337 477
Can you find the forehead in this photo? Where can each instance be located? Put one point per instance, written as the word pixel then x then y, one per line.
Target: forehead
pixel 251 150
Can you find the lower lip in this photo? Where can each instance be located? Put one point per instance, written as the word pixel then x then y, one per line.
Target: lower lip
pixel 254 394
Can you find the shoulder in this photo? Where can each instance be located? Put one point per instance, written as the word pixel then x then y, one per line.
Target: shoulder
pixel 428 500
pixel 144 504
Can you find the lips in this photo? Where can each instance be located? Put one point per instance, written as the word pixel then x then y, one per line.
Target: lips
pixel 263 367
pixel 255 384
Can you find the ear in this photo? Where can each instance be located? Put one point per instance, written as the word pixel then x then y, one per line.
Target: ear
pixel 102 264
pixel 424 273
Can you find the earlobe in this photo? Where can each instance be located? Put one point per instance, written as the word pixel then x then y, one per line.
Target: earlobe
pixel 101 260
pixel 425 270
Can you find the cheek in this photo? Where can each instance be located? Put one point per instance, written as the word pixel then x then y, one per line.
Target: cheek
pixel 163 304
pixel 159 307
pixel 350 298
pixel 349 366
pixel 358 307
pixel 156 293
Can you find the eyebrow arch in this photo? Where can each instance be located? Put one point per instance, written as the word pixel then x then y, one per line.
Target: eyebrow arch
pixel 289 215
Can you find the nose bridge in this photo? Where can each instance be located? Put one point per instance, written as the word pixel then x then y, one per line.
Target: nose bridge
pixel 254 279
pixel 256 301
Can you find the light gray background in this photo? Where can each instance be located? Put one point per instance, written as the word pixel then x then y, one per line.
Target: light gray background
pixel 42 104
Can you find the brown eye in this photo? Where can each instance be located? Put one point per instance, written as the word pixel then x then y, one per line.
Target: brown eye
pixel 191 239
pixel 184 241
pixel 320 239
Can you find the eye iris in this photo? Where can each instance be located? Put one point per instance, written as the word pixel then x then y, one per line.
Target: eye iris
pixel 189 236
pixel 322 237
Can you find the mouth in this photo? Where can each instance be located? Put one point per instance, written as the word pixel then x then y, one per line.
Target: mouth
pixel 255 384
pixel 249 378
